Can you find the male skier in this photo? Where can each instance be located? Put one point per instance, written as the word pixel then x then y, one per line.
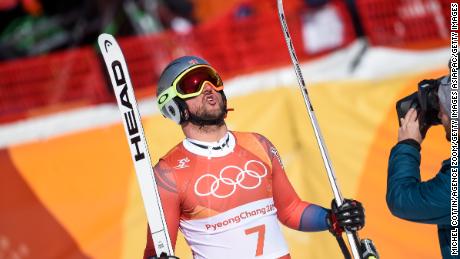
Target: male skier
pixel 227 190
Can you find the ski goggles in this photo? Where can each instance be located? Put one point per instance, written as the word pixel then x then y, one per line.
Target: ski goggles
pixel 190 83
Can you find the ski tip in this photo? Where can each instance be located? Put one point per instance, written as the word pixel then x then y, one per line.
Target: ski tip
pixel 105 40
pixel 104 36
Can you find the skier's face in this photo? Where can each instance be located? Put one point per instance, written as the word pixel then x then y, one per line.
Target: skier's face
pixel 209 105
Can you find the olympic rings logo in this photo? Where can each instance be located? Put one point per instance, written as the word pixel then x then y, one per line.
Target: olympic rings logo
pixel 240 177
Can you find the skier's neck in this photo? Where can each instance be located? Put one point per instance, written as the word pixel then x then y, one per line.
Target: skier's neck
pixel 209 133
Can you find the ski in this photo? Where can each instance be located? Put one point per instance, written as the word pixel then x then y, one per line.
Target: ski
pixel 353 239
pixel 121 83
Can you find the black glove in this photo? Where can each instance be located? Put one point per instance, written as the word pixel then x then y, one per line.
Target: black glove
pixel 349 216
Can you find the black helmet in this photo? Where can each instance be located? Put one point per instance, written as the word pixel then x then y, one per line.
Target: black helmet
pixel 174 107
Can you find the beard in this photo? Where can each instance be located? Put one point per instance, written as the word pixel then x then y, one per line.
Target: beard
pixel 206 117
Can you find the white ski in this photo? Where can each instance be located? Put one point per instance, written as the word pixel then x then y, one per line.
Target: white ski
pixel 121 83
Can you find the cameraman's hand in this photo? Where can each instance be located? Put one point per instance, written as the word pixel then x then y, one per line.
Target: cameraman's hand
pixel 409 127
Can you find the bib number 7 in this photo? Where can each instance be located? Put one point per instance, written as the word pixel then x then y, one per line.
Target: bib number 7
pixel 260 231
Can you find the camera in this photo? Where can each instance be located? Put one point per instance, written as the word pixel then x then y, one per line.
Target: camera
pixel 426 101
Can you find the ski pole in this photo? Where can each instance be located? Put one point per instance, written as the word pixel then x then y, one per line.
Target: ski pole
pixel 127 104
pixel 352 236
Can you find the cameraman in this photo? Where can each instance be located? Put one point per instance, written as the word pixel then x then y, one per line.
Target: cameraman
pixel 407 196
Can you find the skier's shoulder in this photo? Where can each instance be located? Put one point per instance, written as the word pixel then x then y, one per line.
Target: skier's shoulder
pixel 256 143
pixel 251 137
pixel 172 156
